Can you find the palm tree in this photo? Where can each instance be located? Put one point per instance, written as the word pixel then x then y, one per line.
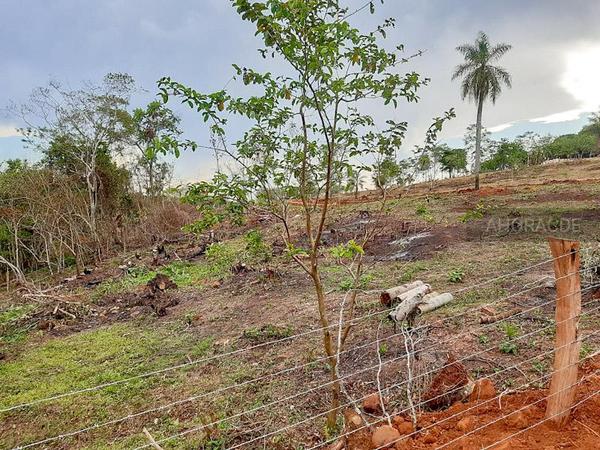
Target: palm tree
pixel 481 80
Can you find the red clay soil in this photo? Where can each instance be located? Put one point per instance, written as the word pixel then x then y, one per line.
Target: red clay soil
pixel 513 414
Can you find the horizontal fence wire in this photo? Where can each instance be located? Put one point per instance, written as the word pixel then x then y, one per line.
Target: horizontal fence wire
pixel 257 346
pixel 268 405
pixel 115 421
pixel 351 403
pixel 548 375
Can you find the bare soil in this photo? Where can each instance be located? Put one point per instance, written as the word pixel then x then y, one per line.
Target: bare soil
pixel 514 421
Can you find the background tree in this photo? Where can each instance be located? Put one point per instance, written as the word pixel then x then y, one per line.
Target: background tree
pixel 385 173
pixel 508 155
pixel 453 160
pixel 580 145
pixel 481 80
pixel 486 143
pixel 593 128
pixel 330 68
pixel 154 131
pixel 355 181
pixel 74 128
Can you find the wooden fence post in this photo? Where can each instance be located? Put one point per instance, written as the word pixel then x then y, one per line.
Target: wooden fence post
pixel 568 308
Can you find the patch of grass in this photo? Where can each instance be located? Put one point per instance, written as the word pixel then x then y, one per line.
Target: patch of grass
pixel 585 350
pixel 267 333
pixel 383 349
pixel 348 283
pixel 78 361
pixel 10 329
pixel 203 348
pixel 89 359
pixel 424 212
pixel 508 347
pixel 256 248
pixel 217 264
pixel 540 367
pixel 136 276
pixel 511 331
pixel 476 213
pixel 456 275
pixel 412 269
pixel 474 297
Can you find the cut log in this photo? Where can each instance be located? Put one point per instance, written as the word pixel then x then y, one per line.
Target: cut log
pixel 388 296
pixel 419 290
pixel 407 309
pixel 418 303
pixel 434 301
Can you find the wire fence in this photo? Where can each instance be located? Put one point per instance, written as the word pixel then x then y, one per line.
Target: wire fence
pixel 283 340
pixel 286 401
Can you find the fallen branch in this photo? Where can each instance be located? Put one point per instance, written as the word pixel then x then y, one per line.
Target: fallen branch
pixel 491 318
pixel 153 443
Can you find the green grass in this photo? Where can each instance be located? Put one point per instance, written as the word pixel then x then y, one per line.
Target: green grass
pixel 474 297
pixel 10 330
pixel 88 359
pixel 217 264
pixel 267 332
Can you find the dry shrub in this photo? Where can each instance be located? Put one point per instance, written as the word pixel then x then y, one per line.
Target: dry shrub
pixel 158 220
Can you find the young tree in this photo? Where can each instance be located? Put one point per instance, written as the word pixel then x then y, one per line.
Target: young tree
pixel 453 160
pixel 385 173
pixel 486 143
pixel 481 80
pixel 154 131
pixel 331 68
pixel 508 155
pixel 78 126
pixel 593 128
pixel 355 181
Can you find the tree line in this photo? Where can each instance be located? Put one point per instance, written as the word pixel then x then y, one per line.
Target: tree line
pixel 102 171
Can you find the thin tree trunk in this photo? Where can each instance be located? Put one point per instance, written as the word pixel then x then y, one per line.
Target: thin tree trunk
pixel 477 167
pixel 328 344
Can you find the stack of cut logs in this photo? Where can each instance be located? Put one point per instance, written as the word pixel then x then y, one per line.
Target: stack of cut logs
pixel 412 299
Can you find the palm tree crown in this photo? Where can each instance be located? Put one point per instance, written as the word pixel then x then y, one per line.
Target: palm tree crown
pixel 482 79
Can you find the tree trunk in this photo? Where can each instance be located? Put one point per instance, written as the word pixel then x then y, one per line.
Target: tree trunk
pixel 477 167
pixel 151 189
pixel 328 344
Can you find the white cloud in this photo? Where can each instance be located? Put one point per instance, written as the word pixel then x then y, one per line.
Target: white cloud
pixel 8 131
pixel 565 116
pixel 580 80
pixel 581 76
pixel 501 127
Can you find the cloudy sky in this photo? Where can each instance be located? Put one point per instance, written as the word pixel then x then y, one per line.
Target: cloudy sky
pixel 555 61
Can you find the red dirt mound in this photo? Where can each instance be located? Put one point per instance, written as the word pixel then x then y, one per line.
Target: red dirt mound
pixel 511 421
